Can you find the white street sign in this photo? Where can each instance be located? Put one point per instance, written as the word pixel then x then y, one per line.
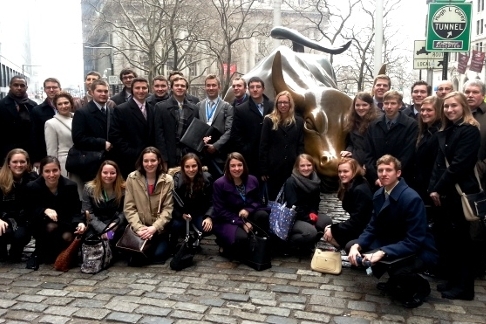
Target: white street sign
pixel 427 64
pixel 113 80
pixel 423 59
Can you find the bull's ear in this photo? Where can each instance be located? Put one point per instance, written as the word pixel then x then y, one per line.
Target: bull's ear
pixel 279 83
pixel 383 69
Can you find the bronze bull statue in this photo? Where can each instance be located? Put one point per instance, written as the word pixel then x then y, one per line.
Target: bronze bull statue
pixel 311 80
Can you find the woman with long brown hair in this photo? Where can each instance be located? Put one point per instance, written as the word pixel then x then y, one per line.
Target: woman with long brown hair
pixel 281 142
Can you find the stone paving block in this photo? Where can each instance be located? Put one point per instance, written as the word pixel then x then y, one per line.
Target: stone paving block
pixel 84 282
pixel 121 306
pixel 278 311
pixel 293 299
pixel 275 281
pixel 264 302
pixel 8 295
pixel 31 307
pixel 80 294
pixel 250 322
pixel 129 299
pixel 155 320
pixel 4 303
pixel 467 318
pixel 253 286
pixel 350 320
pixel 220 311
pixel 292 306
pixel 285 289
pixel 363 314
pixel 303 272
pixel 171 291
pixel 316 292
pixel 123 317
pixel 51 319
pixel 419 320
pixel 157 302
pixel 172 284
pixel 92 313
pixel 152 310
pixel 52 285
pixel 197 292
pixel 450 308
pixel 360 305
pixel 21 315
pixel 241 305
pixel 191 307
pixel 289 276
pixel 235 297
pixel 61 310
pixel 220 319
pixel 326 310
pixel 152 282
pixel 53 292
pixel 186 315
pixel 252 316
pixel 112 291
pixel 262 294
pixel 280 320
pixel 311 316
pixel 80 288
pixel 31 298
pixel 347 295
pixel 25 283
pixel 87 303
pixel 217 302
pixel 181 298
pixel 137 292
pixel 393 318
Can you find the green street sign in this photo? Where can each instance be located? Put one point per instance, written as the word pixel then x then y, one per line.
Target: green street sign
pixel 449 27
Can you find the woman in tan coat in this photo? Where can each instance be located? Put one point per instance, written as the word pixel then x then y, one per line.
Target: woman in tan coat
pixel 148 204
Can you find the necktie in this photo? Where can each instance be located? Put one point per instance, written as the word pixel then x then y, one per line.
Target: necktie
pixel 380 105
pixel 260 108
pixel 129 97
pixel 389 124
pixel 144 112
pixel 386 194
pixel 103 110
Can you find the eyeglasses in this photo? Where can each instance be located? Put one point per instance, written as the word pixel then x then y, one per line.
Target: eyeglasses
pixel 283 103
pixel 444 89
pixel 128 77
pixel 51 88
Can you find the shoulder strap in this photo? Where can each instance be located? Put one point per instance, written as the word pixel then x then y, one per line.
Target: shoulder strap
pixel 458 188
pixel 62 123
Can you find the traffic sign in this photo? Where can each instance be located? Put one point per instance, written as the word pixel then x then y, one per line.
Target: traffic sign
pixel 113 80
pixel 423 59
pixel 449 27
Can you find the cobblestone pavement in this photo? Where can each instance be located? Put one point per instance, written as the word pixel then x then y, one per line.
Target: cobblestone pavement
pixel 217 291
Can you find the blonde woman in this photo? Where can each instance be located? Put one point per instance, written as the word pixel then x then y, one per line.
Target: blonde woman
pixel 282 140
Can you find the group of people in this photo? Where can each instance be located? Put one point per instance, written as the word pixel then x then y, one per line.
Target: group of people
pixel 255 149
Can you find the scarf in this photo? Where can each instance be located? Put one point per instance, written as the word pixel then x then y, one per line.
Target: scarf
pixel 307 184
pixel 19 100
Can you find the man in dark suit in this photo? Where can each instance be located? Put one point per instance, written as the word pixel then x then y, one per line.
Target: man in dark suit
pixel 393 133
pixel 172 75
pixel 160 91
pixel 420 91
pixel 397 229
pixel 219 114
pixel 40 114
pixel 171 119
pixel 247 124
pixel 239 91
pixel 90 124
pixel 126 77
pixel 15 118
pixel 131 128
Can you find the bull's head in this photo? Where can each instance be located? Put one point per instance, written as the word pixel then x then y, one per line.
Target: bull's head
pixel 324 110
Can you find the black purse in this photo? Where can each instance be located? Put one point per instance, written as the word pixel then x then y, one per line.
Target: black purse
pixel 184 257
pixel 258 254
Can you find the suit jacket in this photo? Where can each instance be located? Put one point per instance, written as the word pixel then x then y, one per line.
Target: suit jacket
pixel 89 128
pixel 398 141
pixel 40 114
pixel 165 126
pixel 399 226
pixel 120 97
pixel 410 112
pixel 247 129
pixel 130 133
pixel 15 132
pixel 222 121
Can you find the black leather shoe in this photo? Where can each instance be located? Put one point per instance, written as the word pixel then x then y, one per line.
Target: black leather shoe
pixel 413 302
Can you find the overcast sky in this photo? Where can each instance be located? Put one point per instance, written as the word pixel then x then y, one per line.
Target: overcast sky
pixel 57 40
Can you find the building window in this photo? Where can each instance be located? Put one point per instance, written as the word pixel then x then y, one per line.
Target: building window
pixel 482 25
pixel 477 27
pixel 482 4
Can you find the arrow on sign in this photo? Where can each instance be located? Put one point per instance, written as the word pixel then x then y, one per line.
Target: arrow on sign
pixel 449 34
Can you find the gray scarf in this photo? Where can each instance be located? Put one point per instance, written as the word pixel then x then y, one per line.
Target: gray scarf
pixel 307 184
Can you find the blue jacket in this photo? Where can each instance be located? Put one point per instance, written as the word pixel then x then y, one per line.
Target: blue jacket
pixel 399 226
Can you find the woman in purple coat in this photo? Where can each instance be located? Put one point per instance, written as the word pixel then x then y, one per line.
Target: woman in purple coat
pixel 237 204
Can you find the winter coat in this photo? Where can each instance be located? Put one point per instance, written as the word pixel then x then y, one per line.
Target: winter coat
pixel 102 212
pixel 200 204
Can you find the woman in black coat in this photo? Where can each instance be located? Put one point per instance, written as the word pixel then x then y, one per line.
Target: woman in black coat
pixel 281 142
pixel 427 146
pixel 302 192
pixel 459 142
pixel 14 176
pixel 355 193
pixel 55 210
pixel 362 112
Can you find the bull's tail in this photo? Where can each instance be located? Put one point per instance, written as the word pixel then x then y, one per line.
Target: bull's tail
pixel 299 41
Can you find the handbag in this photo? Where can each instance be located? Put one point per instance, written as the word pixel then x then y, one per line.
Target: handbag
pixel 258 255
pixel 96 251
pixel 473 205
pixel 326 262
pixel 184 256
pixel 66 258
pixel 86 163
pixel 132 242
pixel 281 217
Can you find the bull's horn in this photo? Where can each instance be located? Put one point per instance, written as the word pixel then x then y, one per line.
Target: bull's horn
pixel 382 69
pixel 279 82
pixel 280 32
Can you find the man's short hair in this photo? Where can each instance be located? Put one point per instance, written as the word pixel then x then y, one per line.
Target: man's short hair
pixel 179 73
pixel 393 94
pixel 95 73
pixel 17 77
pixel 97 83
pixel 212 77
pixel 241 79
pixel 177 79
pixel 139 79
pixel 382 76
pixel 389 159
pixel 52 80
pixel 421 82
pixel 127 71
pixel 160 78
pixel 256 79
pixel 475 83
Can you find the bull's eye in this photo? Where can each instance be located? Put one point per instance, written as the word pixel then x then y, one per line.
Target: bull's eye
pixel 317 121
